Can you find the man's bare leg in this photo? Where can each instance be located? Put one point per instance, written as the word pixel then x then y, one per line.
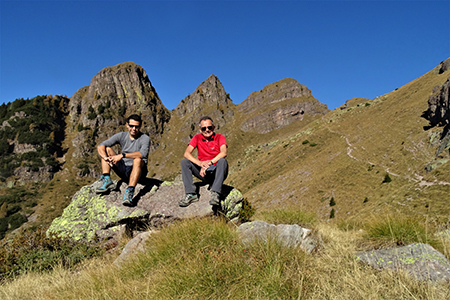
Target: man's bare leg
pixel 107 184
pixel 136 172
pixel 106 168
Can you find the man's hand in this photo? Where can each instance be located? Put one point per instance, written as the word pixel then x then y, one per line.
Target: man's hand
pixel 205 164
pixel 112 160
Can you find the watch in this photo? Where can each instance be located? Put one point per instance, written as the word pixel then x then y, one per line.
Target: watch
pixel 123 155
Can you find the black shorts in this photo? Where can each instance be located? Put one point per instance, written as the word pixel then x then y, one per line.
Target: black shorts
pixel 124 171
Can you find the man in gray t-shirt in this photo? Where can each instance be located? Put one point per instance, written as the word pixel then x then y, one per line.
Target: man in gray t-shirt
pixel 131 164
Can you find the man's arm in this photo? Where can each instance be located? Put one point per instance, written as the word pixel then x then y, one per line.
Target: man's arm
pixel 192 158
pixel 101 149
pixel 112 160
pixel 222 154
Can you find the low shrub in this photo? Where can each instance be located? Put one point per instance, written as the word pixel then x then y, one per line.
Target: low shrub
pixel 387 178
pixel 246 212
pixel 332 213
pixel 34 251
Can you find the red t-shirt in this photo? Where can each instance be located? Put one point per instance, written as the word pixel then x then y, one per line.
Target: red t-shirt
pixel 207 150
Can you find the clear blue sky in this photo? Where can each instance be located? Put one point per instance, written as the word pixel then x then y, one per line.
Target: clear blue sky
pixel 338 49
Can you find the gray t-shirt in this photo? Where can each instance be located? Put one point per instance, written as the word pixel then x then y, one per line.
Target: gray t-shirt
pixel 141 144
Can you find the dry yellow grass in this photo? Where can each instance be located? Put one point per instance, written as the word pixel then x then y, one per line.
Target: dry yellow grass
pixel 204 259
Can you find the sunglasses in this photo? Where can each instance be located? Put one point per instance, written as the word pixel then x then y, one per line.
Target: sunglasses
pixel 209 128
pixel 134 126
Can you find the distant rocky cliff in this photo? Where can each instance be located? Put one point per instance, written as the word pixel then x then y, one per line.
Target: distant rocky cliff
pixel 438 105
pixel 100 109
pixel 278 105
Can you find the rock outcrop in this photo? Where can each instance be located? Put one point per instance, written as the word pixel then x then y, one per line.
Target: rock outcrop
pixel 438 112
pixel 443 66
pixel 27 174
pixel 100 109
pixel 356 101
pixel 421 261
pixel 91 216
pixel 278 105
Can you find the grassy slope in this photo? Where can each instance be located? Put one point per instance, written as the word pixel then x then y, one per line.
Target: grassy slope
pixel 355 148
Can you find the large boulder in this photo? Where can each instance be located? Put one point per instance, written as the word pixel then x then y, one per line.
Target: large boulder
pixel 134 246
pixel 99 217
pixel 421 261
pixel 287 235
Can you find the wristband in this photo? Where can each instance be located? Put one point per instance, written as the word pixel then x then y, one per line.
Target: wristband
pixel 211 162
pixel 123 155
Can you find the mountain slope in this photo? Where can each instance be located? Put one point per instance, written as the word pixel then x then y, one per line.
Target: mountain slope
pixel 347 154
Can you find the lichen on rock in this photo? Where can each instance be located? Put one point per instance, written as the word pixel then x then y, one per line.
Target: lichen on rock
pixel 91 216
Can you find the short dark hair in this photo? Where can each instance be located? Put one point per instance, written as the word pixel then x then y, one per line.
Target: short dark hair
pixel 134 117
pixel 204 119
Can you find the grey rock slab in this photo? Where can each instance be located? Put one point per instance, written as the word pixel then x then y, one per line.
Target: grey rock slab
pixel 134 246
pixel 419 260
pixel 288 235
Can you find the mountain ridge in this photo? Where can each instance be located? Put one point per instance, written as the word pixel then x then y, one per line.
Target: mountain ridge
pixel 303 162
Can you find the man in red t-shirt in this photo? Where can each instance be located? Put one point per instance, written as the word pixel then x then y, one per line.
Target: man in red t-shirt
pixel 210 166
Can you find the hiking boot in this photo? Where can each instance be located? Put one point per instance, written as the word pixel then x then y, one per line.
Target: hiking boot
pixel 107 185
pixel 128 197
pixel 188 199
pixel 215 198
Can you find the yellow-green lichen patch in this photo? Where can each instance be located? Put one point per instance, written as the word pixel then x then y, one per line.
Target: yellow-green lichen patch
pixel 232 204
pixel 84 216
pixel 170 183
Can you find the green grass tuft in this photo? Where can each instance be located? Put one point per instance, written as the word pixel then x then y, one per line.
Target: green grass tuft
pixel 284 216
pixel 396 231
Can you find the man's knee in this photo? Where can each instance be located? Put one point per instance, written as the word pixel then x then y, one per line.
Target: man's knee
pixel 185 163
pixel 222 162
pixel 110 151
pixel 138 162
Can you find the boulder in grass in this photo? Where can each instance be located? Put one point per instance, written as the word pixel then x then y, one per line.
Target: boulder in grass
pixel 287 235
pixel 133 247
pixel 421 261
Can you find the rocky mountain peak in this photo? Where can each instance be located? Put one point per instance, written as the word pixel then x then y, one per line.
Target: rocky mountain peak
pixel 209 92
pixel 278 105
pixel 124 81
pixel 100 109
pixel 279 91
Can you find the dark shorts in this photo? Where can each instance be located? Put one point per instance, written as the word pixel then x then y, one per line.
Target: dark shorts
pixel 124 171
